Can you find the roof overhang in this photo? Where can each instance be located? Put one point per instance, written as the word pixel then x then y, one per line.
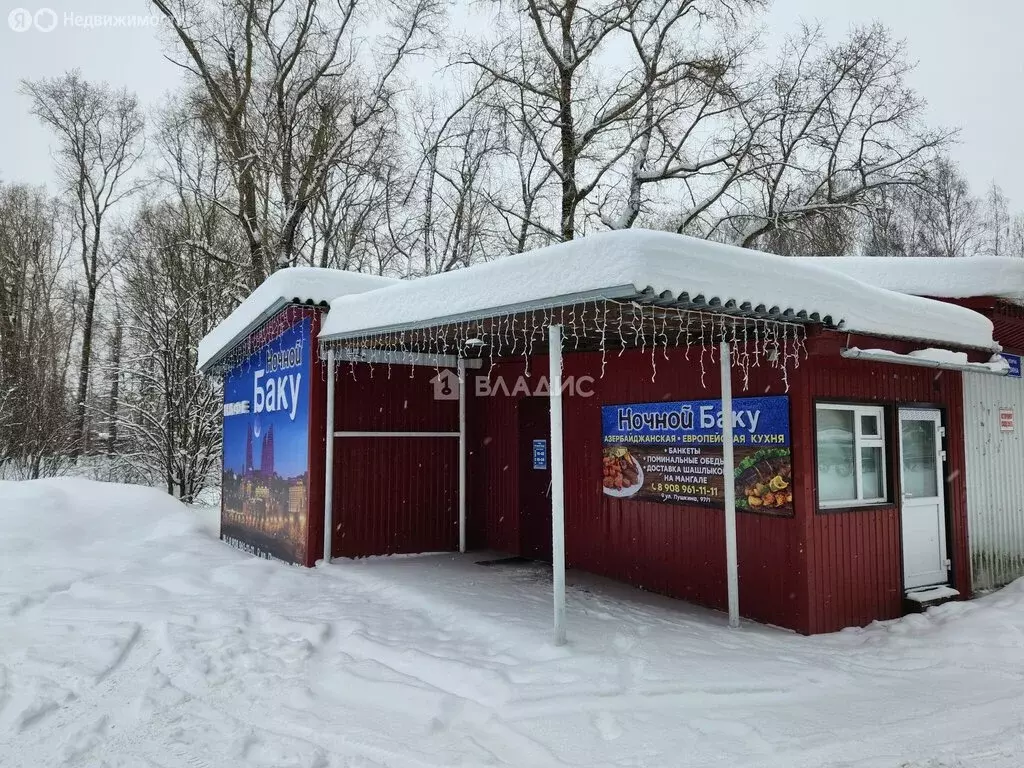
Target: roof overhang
pixel 303 286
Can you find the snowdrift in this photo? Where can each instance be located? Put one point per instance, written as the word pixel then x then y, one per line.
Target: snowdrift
pixel 130 636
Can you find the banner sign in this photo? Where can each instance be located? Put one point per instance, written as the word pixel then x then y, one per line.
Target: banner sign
pixel 265 483
pixel 1014 362
pixel 672 453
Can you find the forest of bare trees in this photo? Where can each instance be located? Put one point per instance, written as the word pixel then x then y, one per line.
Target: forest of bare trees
pixel 413 137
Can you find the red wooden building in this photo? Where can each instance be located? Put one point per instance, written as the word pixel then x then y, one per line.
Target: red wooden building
pixel 566 405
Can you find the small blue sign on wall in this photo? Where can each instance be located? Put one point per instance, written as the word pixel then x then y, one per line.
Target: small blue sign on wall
pixel 1014 361
pixel 540 454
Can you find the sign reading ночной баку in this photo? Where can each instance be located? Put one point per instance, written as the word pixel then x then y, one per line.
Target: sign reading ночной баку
pixel 672 453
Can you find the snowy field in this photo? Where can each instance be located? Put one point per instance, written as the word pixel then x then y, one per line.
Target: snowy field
pixel 130 636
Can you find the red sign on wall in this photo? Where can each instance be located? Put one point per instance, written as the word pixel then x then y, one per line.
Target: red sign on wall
pixel 1006 419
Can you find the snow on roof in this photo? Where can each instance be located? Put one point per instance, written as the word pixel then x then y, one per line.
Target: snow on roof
pixel 940 278
pixel 628 262
pixel 291 285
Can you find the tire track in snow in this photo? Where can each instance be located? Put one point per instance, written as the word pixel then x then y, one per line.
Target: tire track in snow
pixel 38 598
pixel 462 709
pixel 205 703
pixel 103 700
pixel 122 655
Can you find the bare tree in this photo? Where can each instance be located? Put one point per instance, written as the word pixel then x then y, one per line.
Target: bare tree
pixel 596 120
pixel 350 219
pixel 893 223
pixel 997 222
pixel 1015 242
pixel 99 133
pixel 168 418
pixel 114 384
pixel 448 220
pixel 843 125
pixel 526 210
pixel 37 327
pixel 290 91
pixel 951 214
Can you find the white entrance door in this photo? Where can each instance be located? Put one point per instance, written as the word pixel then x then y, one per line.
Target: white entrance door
pixel 923 508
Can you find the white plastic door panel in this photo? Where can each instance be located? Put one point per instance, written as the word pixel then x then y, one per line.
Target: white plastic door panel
pixel 923 507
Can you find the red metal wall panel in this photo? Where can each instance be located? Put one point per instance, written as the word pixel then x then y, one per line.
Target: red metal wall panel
pixel 493 466
pixel 816 572
pixel 855 557
pixel 393 495
pixel 1008 323
pixel 379 397
pixel 1007 319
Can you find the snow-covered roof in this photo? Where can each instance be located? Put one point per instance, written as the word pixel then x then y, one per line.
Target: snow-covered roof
pixel 300 285
pixel 938 277
pixel 630 262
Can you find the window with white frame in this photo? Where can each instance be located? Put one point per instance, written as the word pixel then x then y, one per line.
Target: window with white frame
pixel 851 455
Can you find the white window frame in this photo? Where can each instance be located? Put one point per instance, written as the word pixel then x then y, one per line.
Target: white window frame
pixel 860 441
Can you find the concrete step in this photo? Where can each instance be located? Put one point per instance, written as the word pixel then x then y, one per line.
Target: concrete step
pixel 919 600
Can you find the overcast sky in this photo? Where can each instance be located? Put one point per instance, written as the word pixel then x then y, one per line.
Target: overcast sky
pixel 971 71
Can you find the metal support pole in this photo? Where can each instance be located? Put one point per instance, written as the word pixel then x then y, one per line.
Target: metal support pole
pixel 462 455
pixel 329 461
pixel 557 480
pixel 729 472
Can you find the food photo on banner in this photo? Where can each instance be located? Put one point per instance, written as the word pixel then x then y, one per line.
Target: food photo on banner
pixel 265 496
pixel 671 453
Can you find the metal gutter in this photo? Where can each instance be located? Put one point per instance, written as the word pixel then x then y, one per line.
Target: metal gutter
pixel 900 359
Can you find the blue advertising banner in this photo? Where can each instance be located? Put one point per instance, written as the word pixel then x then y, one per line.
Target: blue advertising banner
pixel 1014 363
pixel 672 453
pixel 755 421
pixel 265 484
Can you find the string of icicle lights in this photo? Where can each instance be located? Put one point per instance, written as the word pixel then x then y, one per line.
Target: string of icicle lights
pixel 248 355
pixel 606 326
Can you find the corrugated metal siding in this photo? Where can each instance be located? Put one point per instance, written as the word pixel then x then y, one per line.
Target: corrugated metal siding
pixel 855 557
pixel 393 495
pixel 1008 326
pixel 493 467
pixel 368 399
pixel 995 479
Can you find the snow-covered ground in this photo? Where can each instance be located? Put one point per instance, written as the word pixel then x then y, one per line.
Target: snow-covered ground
pixel 130 636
